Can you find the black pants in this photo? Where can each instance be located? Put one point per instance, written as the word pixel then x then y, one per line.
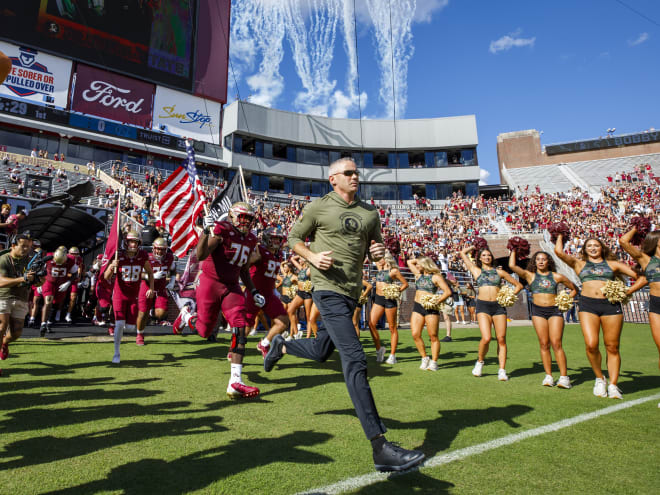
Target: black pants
pixel 336 331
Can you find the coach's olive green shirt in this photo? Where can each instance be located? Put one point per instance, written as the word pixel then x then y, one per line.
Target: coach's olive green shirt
pixel 347 230
pixel 11 267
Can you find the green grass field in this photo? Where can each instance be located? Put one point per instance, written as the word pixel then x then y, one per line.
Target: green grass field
pixel 160 422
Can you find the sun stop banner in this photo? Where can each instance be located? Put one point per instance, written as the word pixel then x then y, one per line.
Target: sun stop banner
pixel 186 115
pixel 36 77
pixel 111 96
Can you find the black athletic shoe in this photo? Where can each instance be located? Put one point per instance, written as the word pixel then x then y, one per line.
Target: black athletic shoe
pixel 274 353
pixel 211 338
pixel 446 339
pixel 391 457
pixel 42 330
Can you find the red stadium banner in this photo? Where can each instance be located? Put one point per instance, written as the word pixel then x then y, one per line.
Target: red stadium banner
pixel 111 96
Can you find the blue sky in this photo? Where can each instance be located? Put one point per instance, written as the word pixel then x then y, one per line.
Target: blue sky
pixel 571 69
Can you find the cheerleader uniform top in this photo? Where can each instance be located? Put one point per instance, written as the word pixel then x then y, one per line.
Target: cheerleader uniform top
pixel 596 271
pixel 543 284
pixel 488 278
pixel 425 283
pixel 652 270
pixel 383 276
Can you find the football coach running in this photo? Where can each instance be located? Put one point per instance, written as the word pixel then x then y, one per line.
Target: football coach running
pixel 343 230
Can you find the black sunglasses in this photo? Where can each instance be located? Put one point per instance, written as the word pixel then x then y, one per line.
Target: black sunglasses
pixel 349 173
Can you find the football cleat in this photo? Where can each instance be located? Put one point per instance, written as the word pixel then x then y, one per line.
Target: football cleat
pixel 239 390
pixel 177 326
pixel 264 349
pixel 139 340
pixel 4 352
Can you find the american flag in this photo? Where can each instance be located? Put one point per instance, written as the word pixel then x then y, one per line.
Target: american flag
pixel 181 201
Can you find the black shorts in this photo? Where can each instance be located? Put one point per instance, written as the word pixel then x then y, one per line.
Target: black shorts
pixel 304 295
pixel 384 302
pixel 471 303
pixel 285 299
pixel 654 304
pixel 418 308
pixel 599 307
pixel 491 308
pixel 546 312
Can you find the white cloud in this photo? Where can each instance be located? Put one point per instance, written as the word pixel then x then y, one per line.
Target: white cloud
pixel 640 39
pixel 426 8
pixel 509 41
pixel 483 177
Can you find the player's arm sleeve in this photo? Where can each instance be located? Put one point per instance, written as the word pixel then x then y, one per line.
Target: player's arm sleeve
pixel 303 226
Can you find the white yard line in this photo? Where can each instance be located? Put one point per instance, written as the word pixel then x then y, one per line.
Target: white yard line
pixel 371 478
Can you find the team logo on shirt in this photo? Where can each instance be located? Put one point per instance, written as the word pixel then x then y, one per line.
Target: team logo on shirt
pixel 351 223
pixel 545 284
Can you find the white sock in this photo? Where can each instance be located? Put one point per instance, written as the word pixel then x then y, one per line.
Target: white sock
pixel 119 333
pixel 236 370
pixel 68 315
pixel 265 342
pixel 139 332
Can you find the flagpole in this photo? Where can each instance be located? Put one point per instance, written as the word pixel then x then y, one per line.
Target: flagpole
pixel 243 188
pixel 118 230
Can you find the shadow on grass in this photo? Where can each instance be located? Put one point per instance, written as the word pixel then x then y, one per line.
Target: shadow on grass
pixel 441 431
pixel 199 470
pixel 630 381
pixel 412 482
pixel 45 449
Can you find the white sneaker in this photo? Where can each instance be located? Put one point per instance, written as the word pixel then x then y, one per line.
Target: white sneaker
pixel 380 354
pixel 299 335
pixel 425 363
pixel 564 382
pixel 115 359
pixel 502 376
pixel 433 366
pixel 68 319
pixel 614 392
pixel 600 388
pixel 253 332
pixel 289 339
pixel 548 381
pixel 478 368
pixel 391 359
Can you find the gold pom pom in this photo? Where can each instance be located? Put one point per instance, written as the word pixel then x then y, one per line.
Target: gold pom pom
pixel 505 296
pixel 615 291
pixel 431 301
pixel 391 291
pixel 363 300
pixel 291 291
pixel 306 286
pixel 564 301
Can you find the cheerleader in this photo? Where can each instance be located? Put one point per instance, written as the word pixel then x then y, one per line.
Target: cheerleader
pixel 489 312
pixel 648 258
pixel 387 273
pixel 542 279
pixel 285 281
pixel 302 298
pixel 595 267
pixel 366 290
pixel 428 279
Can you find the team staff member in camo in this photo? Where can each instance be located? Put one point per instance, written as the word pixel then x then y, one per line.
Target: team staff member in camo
pixel 15 282
pixel 343 230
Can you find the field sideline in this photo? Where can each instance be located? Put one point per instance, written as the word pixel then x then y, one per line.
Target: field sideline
pixel 160 422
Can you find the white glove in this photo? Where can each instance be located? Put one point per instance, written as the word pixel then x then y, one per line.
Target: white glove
pixel 259 300
pixel 39 290
pixel 64 286
pixel 160 274
pixel 209 222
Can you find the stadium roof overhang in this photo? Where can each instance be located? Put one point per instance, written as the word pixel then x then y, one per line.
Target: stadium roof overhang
pixel 104 138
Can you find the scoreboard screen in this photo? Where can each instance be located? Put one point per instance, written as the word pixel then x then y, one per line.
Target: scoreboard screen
pixel 153 40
